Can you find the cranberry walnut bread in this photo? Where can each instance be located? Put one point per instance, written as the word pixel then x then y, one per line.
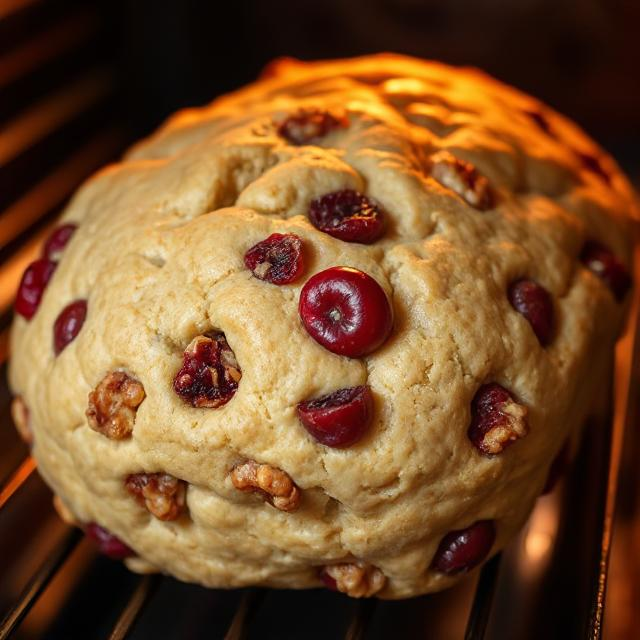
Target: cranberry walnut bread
pixel 333 329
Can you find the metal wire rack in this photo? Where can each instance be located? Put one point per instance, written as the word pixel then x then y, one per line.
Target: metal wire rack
pixel 57 125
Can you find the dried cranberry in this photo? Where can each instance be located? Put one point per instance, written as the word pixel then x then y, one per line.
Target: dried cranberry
pixel 340 418
pixel 534 303
pixel 58 240
pixel 32 286
pixel 347 215
pixel 107 543
pixel 461 550
pixel 210 373
pixel 346 311
pixel 497 420
pixel 68 324
pixel 309 125
pixel 557 469
pixel 278 259
pixel 593 164
pixel 606 266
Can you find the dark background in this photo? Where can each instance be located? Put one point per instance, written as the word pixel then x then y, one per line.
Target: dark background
pixel 581 57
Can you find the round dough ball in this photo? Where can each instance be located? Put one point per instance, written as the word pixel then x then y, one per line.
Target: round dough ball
pixel 469 399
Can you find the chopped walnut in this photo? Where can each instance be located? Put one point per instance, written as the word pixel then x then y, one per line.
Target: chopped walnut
pixel 275 485
pixel 162 494
pixel 358 580
pixel 113 404
pixel 512 428
pixel 20 415
pixel 210 373
pixel 310 125
pixel 497 419
pixel 462 178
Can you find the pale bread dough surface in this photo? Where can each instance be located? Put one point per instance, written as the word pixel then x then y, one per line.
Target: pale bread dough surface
pixel 159 257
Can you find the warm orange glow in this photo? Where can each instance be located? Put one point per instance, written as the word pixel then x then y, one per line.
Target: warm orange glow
pixel 7 7
pixel 539 537
pixel 537 545
pixel 19 477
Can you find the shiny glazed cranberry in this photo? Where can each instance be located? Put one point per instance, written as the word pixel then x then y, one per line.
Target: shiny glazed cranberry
pixel 461 550
pixel 210 373
pixel 32 286
pixel 68 324
pixel 534 303
pixel 557 469
pixel 107 543
pixel 606 266
pixel 346 311
pixel 309 125
pixel 58 240
pixel 278 259
pixel 338 419
pixel 347 215
pixel 497 420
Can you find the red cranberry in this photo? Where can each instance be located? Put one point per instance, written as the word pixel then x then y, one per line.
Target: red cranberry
pixel 347 215
pixel 309 125
pixel 461 550
pixel 591 163
pixel 346 311
pixel 68 324
pixel 210 373
pixel 107 543
pixel 58 240
pixel 278 259
pixel 557 469
pixel 32 286
pixel 329 581
pixel 605 265
pixel 534 303
pixel 497 420
pixel 338 419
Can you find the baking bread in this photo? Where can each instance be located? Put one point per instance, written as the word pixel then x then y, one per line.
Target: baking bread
pixel 332 329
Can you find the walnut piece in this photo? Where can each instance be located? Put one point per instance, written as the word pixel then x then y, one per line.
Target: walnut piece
pixel 358 580
pixel 113 404
pixel 462 178
pixel 162 494
pixel 513 427
pixel 275 485
pixel 20 415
